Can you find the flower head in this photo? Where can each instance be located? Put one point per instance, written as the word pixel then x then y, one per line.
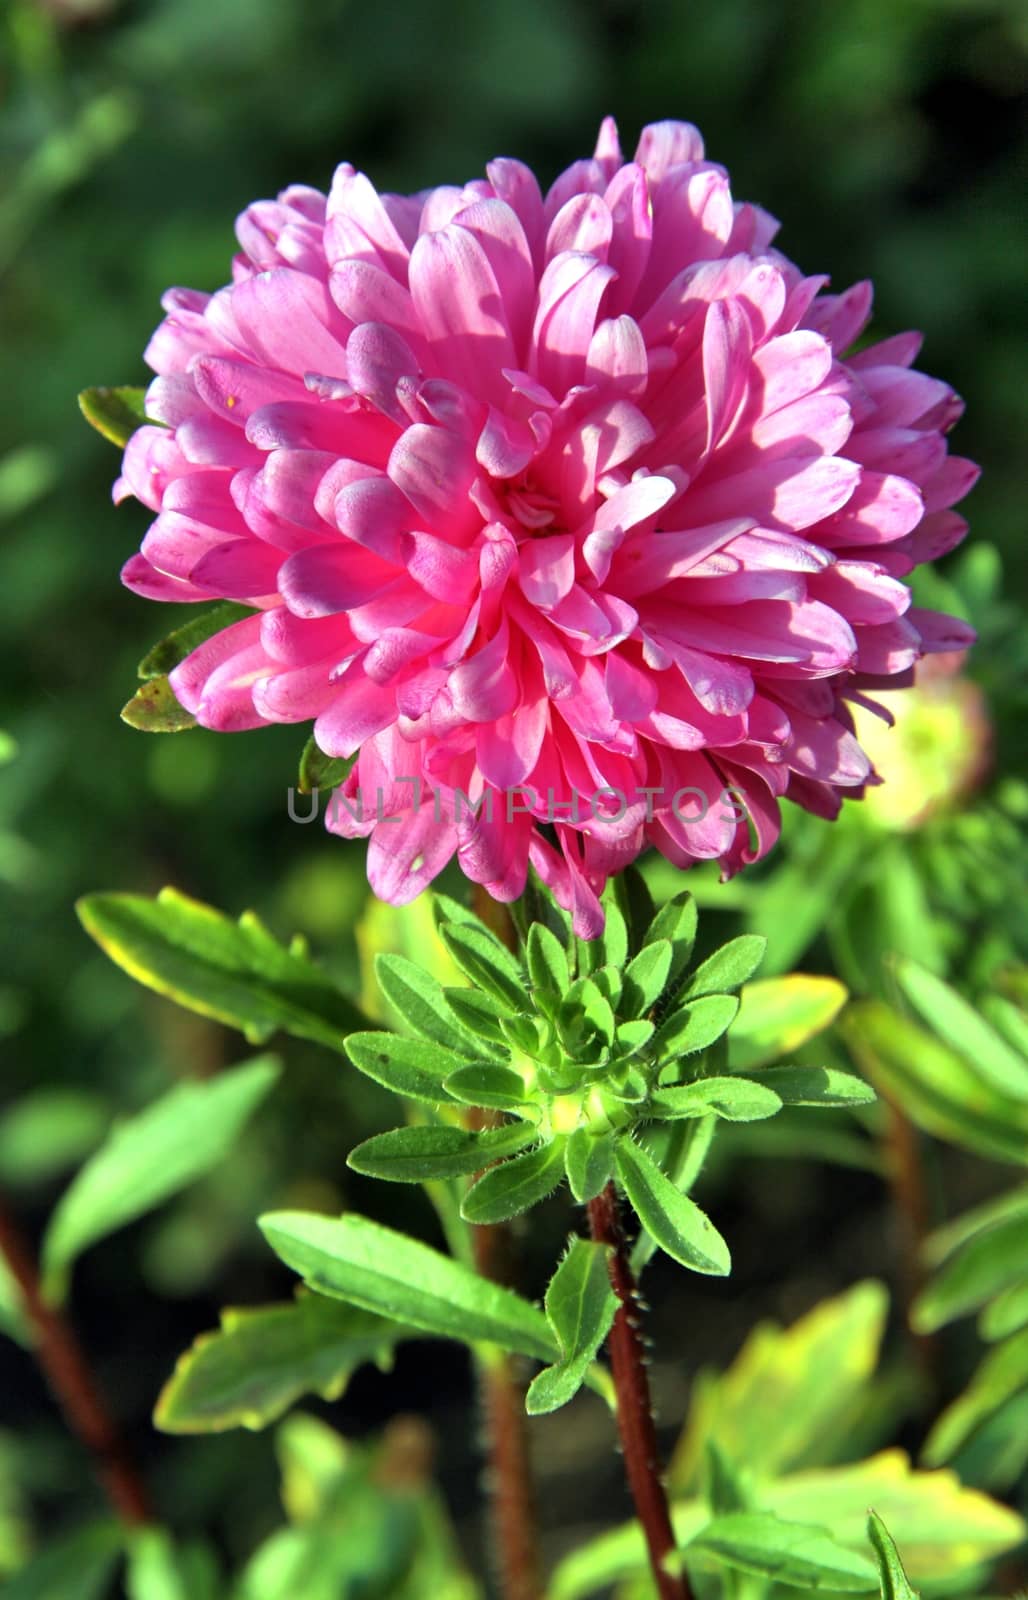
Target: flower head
pixel 569 515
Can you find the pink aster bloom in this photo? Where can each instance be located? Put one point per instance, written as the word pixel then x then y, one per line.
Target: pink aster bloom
pixel 541 496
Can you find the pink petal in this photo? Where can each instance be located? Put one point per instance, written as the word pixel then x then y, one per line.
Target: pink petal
pixel 330 578
pixel 461 311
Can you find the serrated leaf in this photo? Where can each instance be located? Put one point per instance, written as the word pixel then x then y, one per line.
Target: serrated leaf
pixel 580 1307
pixel 115 412
pixel 171 651
pixel 589 1163
pixel 514 1186
pixel 419 1000
pixel 677 921
pixel 695 1026
pixel 993 1260
pixel 78 1566
pixel 483 959
pixel 154 709
pixel 235 972
pixel 728 968
pixel 421 1154
pixel 787 1552
pixel 645 978
pixel 411 1067
pixel 999 1379
pixel 261 1360
pixel 677 1224
pixel 353 1259
pixel 547 963
pixel 891 1577
pixel 962 1027
pixel 319 772
pixel 492 1086
pixel 152 1156
pixel 734 1099
pixel 778 1015
pixel 817 1086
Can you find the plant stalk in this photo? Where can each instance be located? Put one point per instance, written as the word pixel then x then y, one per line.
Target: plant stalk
pixel 73 1384
pixel 634 1406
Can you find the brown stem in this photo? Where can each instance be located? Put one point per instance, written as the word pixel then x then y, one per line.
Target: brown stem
pixel 75 1389
pixel 634 1407
pixel 910 1198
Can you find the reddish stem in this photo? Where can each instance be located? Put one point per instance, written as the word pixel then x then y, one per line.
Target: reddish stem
pixel 634 1407
pixel 73 1385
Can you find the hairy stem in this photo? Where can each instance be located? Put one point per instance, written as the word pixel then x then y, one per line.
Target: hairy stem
pixel 634 1407
pixel 74 1387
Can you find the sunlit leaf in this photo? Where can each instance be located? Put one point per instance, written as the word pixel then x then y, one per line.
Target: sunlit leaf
pixel 778 1015
pixel 115 412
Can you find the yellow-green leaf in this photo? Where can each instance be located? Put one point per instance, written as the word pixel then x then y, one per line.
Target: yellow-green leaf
pixel 778 1015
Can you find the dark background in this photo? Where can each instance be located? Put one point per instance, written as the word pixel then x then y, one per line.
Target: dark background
pixel 889 137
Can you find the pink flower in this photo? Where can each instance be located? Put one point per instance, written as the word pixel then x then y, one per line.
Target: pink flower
pixel 540 497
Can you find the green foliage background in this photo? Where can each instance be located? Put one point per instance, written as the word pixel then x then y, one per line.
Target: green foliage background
pixel 890 137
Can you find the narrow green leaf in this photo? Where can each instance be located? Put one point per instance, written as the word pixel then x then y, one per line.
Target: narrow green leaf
pixel 580 1307
pixel 261 1360
pixel 547 962
pixel 507 1190
pixel 817 1086
pixel 723 1487
pixel 411 1067
pixel 1007 1314
pixel 151 1157
pixel 589 1163
pixel 419 1000
pixel 630 893
pixel 319 772
pixel 786 1552
pixel 1001 1377
pixel 695 1026
pixel 734 1099
pixel 995 1259
pixel 483 959
pixel 962 1027
pixel 677 1224
pixel 645 978
pixel 115 412
pixel 891 1577
pixel 161 1568
pixel 420 1154
pixel 154 709
pixel 677 921
pixel 488 1084
pixel 479 1015
pixel 235 972
pixel 164 657
pixel 728 968
pixel 610 948
pixel 353 1259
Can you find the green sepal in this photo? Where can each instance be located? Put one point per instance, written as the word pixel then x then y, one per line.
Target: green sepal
pixel 514 1186
pixel 677 1224
pixel 169 653
pixel 420 1154
pixel 154 709
pixel 321 773
pixel 115 412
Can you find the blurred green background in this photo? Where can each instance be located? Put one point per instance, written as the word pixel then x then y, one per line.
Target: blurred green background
pixel 890 138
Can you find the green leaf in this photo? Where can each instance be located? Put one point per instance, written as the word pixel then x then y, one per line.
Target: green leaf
pixel 115 412
pixel 817 1086
pixel 48 1131
pixel 728 968
pixel 1008 1313
pixel 629 892
pixel 418 998
pixel 695 1026
pixel 235 972
pixel 409 1067
pixel 995 1259
pixel 78 1566
pixel 154 709
pixel 723 1486
pixel 420 1154
pixel 734 1099
pixel 786 1552
pixel 507 1190
pixel 321 773
pixel 261 1360
pixel 479 1015
pixel 891 1577
pixel 152 1156
pixel 350 1258
pixel 160 1569
pixel 610 948
pixel 488 963
pixel 547 963
pixel 580 1306
pixel 589 1163
pixel 14 1320
pixel 960 1026
pixel 645 978
pixel 164 657
pixel 779 1015
pixel 1001 1377
pixel 677 921
pixel 678 1225
pixel 937 1088
pixel 585 1020
pixel 488 1084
